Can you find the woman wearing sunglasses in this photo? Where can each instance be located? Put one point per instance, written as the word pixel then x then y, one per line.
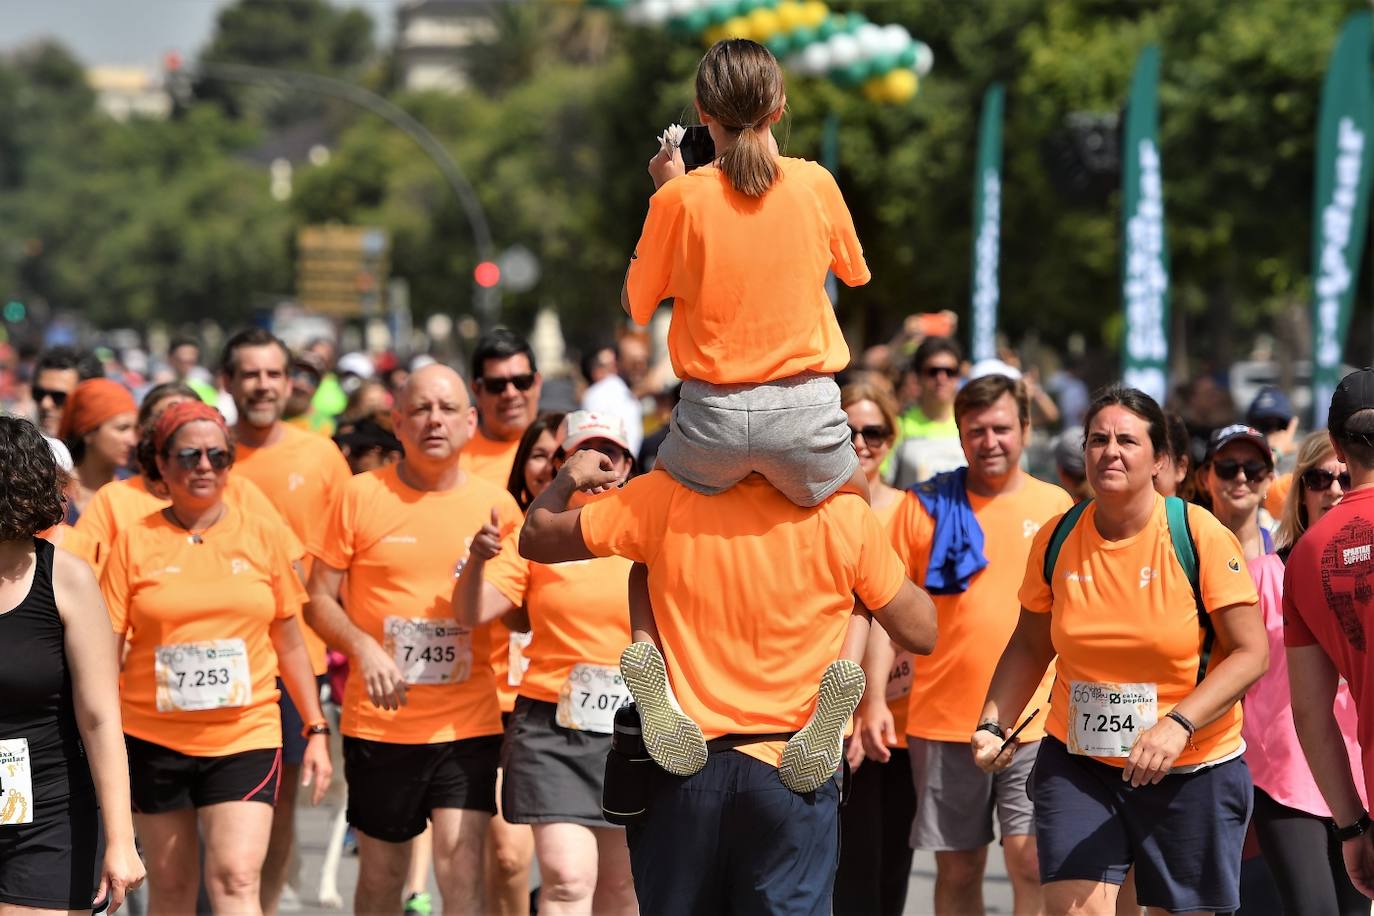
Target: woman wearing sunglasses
pixel 207 597
pixel 875 824
pixel 554 757
pixel 1291 820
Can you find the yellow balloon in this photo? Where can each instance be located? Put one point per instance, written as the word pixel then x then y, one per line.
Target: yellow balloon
pixel 764 24
pixel 816 13
pixel 900 85
pixel 875 90
pixel 737 27
pixel 714 34
pixel 790 15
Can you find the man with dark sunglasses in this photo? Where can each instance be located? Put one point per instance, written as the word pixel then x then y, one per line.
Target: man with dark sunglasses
pixel 1327 609
pixel 56 374
pixel 928 437
pixel 505 387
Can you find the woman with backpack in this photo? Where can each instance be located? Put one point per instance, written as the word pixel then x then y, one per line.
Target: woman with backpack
pixel 1148 606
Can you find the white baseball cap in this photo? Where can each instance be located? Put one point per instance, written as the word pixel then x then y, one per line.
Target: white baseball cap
pixel 60 454
pixel 993 367
pixel 355 364
pixel 582 426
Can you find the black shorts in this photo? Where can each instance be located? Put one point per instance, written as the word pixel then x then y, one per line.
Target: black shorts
pixel 51 863
pixel 393 788
pixel 162 780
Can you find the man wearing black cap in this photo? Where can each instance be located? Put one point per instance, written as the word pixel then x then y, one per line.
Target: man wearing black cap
pixel 1328 613
pixel 1271 412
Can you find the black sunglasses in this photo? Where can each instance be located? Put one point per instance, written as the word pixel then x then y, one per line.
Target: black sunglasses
pixel 188 459
pixel 938 371
pixel 1254 470
pixel 59 398
pixel 1319 480
pixel 496 384
pixel 873 436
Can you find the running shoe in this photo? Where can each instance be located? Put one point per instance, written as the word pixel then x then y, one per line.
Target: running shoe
pixel 418 903
pixel 672 739
pixel 813 754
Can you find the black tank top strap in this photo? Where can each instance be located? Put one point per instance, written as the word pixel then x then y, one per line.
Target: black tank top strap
pixel 41 595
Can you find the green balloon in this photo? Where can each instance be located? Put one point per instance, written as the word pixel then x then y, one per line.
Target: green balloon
pixel 829 26
pixel 720 13
pixel 858 71
pixel 696 22
pixel 802 37
pixel 883 63
pixel 854 20
pixel 779 45
pixel 748 6
pixel 908 57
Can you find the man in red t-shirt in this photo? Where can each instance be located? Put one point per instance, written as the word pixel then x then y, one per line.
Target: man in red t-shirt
pixel 1328 610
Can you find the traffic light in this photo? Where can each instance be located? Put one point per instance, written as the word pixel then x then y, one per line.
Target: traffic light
pixel 15 311
pixel 487 274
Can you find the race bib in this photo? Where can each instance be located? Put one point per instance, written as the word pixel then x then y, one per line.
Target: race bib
pixel 16 782
pixel 590 697
pixel 437 651
pixel 518 664
pixel 899 678
pixel 1106 719
pixel 193 676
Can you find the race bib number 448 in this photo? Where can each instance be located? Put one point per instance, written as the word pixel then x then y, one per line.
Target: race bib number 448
pixel 192 676
pixel 1106 719
pixel 437 651
pixel 16 782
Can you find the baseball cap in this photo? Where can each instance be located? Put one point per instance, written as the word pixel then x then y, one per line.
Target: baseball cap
pixel 582 426
pixel 1239 433
pixel 1270 404
pixel 1068 452
pixel 993 367
pixel 354 364
pixel 1354 394
pixel 61 454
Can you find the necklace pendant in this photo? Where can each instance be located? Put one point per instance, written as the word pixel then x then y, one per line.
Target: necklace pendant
pixel 195 539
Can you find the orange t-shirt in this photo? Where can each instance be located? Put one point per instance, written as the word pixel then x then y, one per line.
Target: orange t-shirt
pixel 1278 492
pixel 899 679
pixel 747 274
pixel 1123 612
pixel 77 543
pixel 166 593
pixel 579 613
pixel 491 460
pixel 302 474
pixel 950 685
pixel 402 549
pixel 752 594
pixel 119 504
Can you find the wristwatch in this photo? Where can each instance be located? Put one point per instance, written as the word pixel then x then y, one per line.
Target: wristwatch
pixel 992 727
pixel 1357 829
pixel 315 728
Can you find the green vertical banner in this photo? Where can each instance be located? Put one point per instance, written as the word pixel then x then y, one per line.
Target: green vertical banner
pixel 1340 208
pixel 987 227
pixel 1145 256
pixel 830 158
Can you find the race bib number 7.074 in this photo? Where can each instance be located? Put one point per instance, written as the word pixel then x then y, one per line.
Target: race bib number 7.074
pixel 590 697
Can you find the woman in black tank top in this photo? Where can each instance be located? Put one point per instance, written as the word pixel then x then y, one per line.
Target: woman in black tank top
pixel 62 753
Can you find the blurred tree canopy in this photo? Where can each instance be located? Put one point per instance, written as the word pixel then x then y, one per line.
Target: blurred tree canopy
pixel 125 222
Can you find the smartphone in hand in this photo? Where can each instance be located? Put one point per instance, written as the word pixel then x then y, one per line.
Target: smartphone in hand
pixel 697 147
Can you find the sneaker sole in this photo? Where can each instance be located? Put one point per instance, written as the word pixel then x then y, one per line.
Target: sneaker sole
pixel 672 739
pixel 813 754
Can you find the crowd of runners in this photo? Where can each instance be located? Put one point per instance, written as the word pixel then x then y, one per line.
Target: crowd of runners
pixel 746 661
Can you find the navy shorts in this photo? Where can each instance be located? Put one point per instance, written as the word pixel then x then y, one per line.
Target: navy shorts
pixel 733 839
pixel 1184 836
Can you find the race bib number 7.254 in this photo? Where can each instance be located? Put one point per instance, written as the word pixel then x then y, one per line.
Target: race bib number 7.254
pixel 1106 719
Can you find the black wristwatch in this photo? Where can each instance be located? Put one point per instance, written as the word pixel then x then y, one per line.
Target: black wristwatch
pixel 1357 829
pixel 315 728
pixel 992 727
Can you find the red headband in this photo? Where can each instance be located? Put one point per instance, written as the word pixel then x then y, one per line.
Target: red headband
pixel 181 413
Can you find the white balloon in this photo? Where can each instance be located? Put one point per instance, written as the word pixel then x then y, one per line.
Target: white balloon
pixel 655 12
pixel 872 40
pixel 895 39
pixel 844 50
pixel 816 59
pixel 681 8
pixel 925 58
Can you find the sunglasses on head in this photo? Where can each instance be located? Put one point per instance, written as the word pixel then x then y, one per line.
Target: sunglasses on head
pixel 496 384
pixel 1319 480
pixel 1254 470
pixel 59 398
pixel 874 436
pixel 188 459
pixel 940 372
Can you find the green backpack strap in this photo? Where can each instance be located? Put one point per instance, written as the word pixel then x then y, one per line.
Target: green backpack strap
pixel 1185 551
pixel 1057 538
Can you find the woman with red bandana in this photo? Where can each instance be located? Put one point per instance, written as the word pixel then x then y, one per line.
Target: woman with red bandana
pixel 207 598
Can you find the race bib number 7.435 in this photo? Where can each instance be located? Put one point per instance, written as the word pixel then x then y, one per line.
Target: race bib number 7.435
pixel 429 651
pixel 590 697
pixel 192 676
pixel 1106 719
pixel 16 782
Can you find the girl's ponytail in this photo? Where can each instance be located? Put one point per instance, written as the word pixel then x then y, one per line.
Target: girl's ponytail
pixel 739 83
